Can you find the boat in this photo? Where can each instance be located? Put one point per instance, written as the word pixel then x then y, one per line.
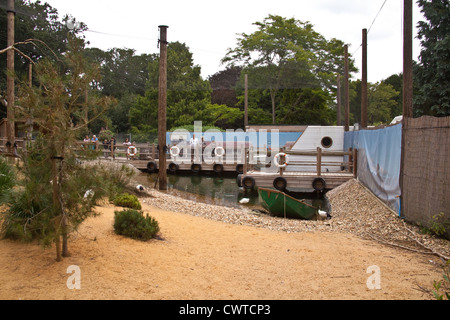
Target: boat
pixel 281 204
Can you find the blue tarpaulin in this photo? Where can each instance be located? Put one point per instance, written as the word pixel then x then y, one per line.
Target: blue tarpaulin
pixel 379 153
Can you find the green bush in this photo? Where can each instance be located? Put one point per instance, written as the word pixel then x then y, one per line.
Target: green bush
pixel 7 179
pixel 132 223
pixel 128 201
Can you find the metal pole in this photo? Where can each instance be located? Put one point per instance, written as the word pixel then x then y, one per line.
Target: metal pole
pixel 162 106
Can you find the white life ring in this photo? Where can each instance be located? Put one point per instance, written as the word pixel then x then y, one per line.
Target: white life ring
pixel 217 153
pixel 276 160
pixel 131 151
pixel 174 151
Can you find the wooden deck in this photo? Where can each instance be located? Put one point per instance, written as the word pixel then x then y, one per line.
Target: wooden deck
pixel 320 179
pixel 294 180
pixel 172 167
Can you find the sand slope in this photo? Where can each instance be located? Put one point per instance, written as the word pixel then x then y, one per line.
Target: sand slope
pixel 199 258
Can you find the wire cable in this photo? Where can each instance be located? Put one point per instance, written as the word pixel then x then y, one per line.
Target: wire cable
pixel 373 22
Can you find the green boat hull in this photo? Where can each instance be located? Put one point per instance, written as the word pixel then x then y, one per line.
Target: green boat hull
pixel 282 205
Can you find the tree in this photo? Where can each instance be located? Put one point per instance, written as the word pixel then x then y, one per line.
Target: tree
pixel 381 101
pixel 223 84
pixel 186 92
pixel 288 54
pixel 35 20
pixel 432 74
pixel 51 202
pixel 396 81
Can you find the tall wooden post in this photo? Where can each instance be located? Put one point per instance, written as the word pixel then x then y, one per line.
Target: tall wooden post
pixel 246 103
pixel 339 112
pixel 162 106
pixel 408 60
pixel 364 92
pixel 10 92
pixel 346 91
pixel 407 87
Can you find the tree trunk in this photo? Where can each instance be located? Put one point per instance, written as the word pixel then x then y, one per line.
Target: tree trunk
pixel 65 249
pixel 56 208
pixel 58 240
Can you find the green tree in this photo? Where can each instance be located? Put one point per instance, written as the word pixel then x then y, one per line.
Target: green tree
pixel 34 20
pixel 187 92
pixel 396 81
pixel 223 84
pixel 54 182
pixel 432 74
pixel 288 54
pixel 381 101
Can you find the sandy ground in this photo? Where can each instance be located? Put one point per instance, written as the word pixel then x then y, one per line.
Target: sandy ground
pixel 198 259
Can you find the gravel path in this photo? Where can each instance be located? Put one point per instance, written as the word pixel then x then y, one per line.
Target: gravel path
pixel 353 209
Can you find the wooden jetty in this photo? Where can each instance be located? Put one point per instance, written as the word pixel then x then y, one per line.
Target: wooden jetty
pixel 145 158
pixel 318 179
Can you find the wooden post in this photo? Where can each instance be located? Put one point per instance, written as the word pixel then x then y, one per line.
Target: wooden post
pixel 355 163
pixel 408 60
pixel 346 91
pixel 246 103
pixel 319 161
pixel 364 94
pixel 162 105
pixel 339 112
pixel 407 88
pixel 10 92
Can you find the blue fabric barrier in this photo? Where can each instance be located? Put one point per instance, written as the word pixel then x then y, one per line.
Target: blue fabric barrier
pixel 379 158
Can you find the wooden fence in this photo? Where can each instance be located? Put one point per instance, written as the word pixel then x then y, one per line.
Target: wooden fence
pixel 426 170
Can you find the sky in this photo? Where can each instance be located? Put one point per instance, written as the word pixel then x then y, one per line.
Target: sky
pixel 210 27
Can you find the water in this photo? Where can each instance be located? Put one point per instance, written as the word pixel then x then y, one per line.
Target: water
pixel 219 190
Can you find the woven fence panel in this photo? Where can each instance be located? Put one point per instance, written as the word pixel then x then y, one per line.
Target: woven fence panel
pixel 426 171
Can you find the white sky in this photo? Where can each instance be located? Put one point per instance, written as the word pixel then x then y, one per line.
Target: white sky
pixel 210 27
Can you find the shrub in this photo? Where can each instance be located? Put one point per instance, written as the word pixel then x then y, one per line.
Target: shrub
pixel 7 179
pixel 132 223
pixel 128 201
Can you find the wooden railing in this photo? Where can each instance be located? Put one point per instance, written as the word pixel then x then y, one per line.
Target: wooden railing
pixel 141 151
pixel 350 165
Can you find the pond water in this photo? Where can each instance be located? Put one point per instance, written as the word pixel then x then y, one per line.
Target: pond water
pixel 219 190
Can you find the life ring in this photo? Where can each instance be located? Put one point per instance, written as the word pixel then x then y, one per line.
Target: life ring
pixel 276 160
pixel 174 151
pixel 248 183
pixel 152 166
pixel 216 152
pixel 280 183
pixel 131 151
pixel 319 184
